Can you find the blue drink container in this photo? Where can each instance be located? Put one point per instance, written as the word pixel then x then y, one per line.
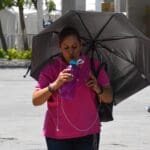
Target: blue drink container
pixel 67 91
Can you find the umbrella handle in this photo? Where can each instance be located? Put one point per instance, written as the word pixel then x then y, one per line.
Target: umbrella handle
pixel 29 68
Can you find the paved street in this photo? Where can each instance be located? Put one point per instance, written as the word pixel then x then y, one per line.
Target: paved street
pixel 21 123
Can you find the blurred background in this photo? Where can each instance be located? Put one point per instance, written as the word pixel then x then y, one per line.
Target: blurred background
pixel 25 18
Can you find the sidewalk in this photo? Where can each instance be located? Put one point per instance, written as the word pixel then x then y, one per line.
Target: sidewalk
pixel 21 123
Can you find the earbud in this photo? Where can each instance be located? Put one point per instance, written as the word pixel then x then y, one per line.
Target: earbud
pixel 57 129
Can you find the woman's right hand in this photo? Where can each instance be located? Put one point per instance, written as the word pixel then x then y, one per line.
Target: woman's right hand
pixel 63 77
pixel 42 95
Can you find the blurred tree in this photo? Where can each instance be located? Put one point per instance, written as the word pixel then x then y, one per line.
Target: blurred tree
pixel 3 4
pixel 2 37
pixel 34 3
pixel 50 5
pixel 20 4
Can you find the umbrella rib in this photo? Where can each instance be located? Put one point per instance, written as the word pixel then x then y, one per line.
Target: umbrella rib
pixel 121 58
pixel 116 54
pixel 101 30
pixel 119 38
pixel 84 25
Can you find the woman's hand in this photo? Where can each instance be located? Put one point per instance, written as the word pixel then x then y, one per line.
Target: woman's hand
pixel 93 84
pixel 63 77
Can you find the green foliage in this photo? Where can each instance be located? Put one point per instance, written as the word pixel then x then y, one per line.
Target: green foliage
pixel 20 3
pixel 50 5
pixel 2 53
pixel 11 53
pixel 6 3
pixel 15 54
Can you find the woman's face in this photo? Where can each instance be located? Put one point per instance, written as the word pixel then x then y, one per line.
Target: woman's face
pixel 70 47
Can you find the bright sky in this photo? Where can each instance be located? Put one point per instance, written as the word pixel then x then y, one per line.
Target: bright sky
pixel 90 4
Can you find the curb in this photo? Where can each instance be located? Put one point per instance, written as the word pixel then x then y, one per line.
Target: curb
pixel 16 63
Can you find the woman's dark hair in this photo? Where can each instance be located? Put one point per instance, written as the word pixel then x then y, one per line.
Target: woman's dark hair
pixel 68 31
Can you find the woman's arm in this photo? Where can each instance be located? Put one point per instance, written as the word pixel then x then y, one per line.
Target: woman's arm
pixel 106 96
pixel 104 93
pixel 40 96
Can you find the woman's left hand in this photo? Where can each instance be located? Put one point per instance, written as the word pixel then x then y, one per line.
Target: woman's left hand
pixel 92 82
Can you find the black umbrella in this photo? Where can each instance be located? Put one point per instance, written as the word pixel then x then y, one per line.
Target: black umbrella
pixel 108 36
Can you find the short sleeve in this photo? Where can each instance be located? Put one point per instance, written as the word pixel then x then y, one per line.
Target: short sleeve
pixel 45 77
pixel 103 78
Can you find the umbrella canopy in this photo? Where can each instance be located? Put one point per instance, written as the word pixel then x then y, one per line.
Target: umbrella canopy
pixel 108 36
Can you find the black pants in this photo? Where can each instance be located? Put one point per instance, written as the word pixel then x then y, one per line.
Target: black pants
pixel 89 142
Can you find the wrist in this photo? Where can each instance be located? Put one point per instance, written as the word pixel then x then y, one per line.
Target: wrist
pixel 100 91
pixel 51 88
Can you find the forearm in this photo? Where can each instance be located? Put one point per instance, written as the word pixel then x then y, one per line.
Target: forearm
pixel 41 96
pixel 106 96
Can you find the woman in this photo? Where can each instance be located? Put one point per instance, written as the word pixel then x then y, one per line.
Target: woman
pixel 71 120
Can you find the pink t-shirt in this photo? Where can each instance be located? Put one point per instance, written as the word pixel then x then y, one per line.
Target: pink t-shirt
pixel 75 117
